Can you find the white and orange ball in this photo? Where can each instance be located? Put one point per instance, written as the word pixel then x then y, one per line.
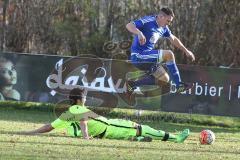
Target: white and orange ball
pixel 207 137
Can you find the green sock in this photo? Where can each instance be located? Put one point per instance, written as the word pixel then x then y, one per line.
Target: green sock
pixel 157 134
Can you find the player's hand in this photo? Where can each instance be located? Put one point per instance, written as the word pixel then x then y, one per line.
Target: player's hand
pixel 141 38
pixel 88 137
pixel 189 54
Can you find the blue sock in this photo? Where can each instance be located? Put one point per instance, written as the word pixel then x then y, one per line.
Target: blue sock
pixel 146 80
pixel 174 72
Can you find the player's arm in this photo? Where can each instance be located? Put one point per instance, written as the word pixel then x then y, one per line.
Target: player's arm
pixel 177 43
pixel 44 129
pixel 57 124
pixel 84 129
pixel 133 29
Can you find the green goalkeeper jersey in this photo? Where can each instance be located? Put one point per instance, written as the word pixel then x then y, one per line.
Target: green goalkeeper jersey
pixel 71 118
pixel 98 126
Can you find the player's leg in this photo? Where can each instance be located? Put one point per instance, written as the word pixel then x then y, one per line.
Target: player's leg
pixel 147 61
pixel 160 75
pixel 144 62
pixel 121 129
pixel 147 131
pixel 120 132
pixel 169 58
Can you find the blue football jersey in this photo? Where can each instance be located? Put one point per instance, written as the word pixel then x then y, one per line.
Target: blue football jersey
pixel 150 29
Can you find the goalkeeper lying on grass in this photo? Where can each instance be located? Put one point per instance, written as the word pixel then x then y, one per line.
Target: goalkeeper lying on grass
pixel 80 121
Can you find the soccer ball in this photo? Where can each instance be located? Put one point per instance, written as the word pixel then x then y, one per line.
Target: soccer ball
pixel 207 137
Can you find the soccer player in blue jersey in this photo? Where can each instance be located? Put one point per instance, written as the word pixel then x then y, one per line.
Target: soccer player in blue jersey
pixel 147 30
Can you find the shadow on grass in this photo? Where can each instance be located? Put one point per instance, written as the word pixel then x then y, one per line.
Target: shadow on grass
pixel 116 145
pixel 223 139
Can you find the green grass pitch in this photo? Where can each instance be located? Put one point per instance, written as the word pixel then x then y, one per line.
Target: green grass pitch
pixel 55 145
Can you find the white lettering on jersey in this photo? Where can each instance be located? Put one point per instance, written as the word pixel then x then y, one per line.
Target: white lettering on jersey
pixel 154 38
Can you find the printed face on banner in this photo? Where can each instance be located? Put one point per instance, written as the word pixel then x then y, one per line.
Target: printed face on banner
pixel 8 80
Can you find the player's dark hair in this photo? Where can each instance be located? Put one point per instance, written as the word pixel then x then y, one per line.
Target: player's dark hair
pixel 168 11
pixel 76 94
